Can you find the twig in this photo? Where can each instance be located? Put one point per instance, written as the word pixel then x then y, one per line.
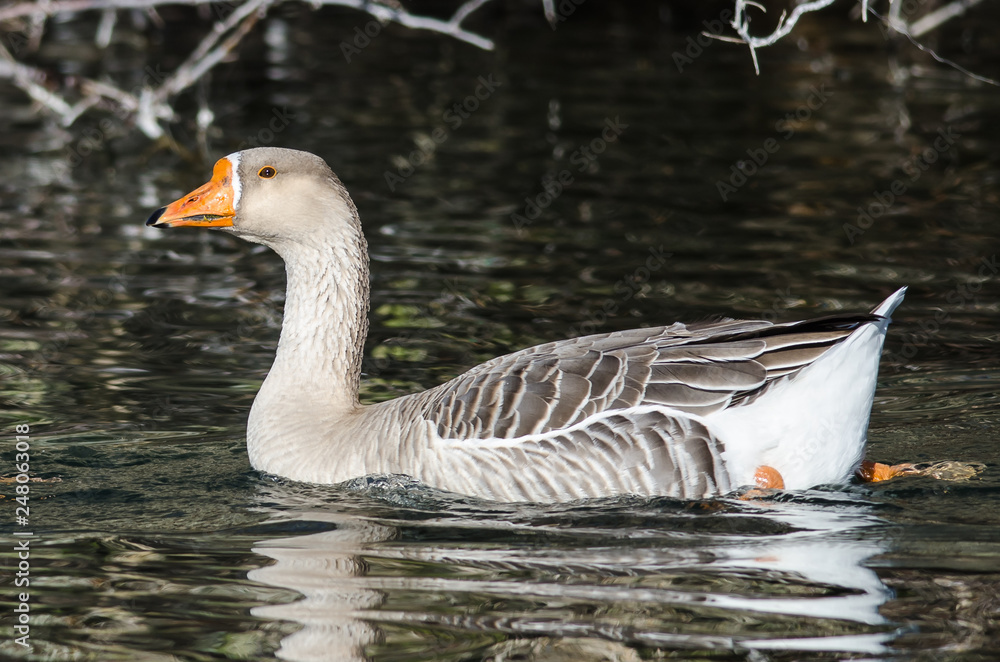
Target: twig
pixel 36 27
pixel 203 57
pixel 104 90
pixel 896 21
pixel 452 27
pixel 63 6
pixel 106 28
pixel 466 9
pixel 940 15
pixel 549 7
pixel 25 77
pixel 741 23
pixel 151 105
pixel 904 30
pixel 193 71
pixel 222 27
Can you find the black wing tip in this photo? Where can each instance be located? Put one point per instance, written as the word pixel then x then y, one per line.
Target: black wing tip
pixel 838 322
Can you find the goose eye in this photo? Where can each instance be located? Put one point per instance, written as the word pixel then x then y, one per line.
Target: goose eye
pixel 267 172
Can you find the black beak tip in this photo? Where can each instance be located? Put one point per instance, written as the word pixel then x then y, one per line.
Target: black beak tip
pixel 156 216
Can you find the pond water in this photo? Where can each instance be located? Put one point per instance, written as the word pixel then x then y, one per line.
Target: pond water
pixel 132 355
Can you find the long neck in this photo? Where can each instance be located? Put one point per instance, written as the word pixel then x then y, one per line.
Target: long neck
pixel 325 322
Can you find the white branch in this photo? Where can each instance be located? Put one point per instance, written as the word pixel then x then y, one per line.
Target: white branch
pixel 152 105
pixel 106 28
pixel 64 6
pixel 940 15
pixel 549 8
pixel 896 21
pixel 204 57
pixel 929 22
pixel 741 23
pixel 27 77
pixel 24 77
pixel 452 27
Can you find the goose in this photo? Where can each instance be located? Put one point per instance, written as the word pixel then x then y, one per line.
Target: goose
pixel 689 411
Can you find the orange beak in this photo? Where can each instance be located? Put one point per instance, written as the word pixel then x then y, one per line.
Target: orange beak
pixel 209 206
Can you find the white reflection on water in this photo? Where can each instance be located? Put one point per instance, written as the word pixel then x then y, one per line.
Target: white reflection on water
pixel 828 547
pixel 321 566
pixel 811 576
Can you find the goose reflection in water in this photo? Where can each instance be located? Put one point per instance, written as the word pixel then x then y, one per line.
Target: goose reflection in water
pixel 584 581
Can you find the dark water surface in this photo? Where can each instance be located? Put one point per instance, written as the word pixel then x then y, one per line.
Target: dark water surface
pixel 133 354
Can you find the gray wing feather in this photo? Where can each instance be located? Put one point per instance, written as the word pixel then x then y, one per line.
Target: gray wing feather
pixel 696 369
pixel 727 376
pixel 645 452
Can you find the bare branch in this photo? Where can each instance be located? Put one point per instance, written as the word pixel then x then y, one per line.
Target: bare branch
pixel 452 27
pixel 466 9
pixel 204 57
pixel 26 78
pixel 741 23
pixel 61 6
pixel 720 37
pixel 96 88
pixel 106 28
pixel 896 21
pixel 900 26
pixel 940 15
pixel 152 104
pixel 549 7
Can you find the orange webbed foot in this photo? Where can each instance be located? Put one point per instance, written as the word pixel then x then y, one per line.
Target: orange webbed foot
pixel 767 480
pixel 949 470
pixel 876 472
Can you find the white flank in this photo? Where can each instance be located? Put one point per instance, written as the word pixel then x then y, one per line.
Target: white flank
pixel 811 426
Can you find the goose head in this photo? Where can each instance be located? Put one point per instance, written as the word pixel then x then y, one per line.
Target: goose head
pixel 282 198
